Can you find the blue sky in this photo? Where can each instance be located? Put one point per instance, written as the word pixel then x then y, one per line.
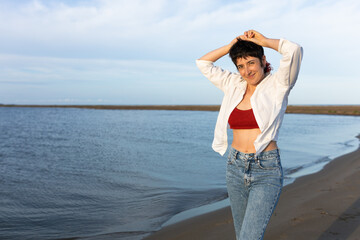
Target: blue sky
pixel 144 51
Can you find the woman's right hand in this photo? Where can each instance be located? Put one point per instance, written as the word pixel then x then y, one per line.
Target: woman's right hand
pixel 220 52
pixel 259 39
pixel 236 39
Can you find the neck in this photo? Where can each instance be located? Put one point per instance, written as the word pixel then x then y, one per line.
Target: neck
pixel 250 88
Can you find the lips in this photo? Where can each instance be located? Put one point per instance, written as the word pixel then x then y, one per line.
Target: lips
pixel 251 75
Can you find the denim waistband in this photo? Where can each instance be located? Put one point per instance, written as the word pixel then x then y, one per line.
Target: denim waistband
pixel 233 153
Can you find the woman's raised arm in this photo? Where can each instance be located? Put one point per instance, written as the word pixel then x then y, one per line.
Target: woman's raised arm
pixel 251 35
pixel 259 39
pixel 214 55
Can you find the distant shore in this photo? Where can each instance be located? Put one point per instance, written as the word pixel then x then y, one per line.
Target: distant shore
pixel 353 110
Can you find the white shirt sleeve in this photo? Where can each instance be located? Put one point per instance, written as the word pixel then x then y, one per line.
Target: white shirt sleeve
pixel 219 77
pixel 290 63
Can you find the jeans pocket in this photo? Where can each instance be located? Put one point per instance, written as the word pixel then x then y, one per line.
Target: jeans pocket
pixel 268 165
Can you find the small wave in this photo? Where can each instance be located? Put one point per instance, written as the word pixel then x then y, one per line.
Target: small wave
pixel 292 170
pixel 128 235
pixel 322 160
pixel 296 169
pixel 350 143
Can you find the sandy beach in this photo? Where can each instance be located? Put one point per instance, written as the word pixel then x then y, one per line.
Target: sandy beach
pixel 322 206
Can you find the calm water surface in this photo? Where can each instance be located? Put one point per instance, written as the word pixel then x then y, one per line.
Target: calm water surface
pixel 120 174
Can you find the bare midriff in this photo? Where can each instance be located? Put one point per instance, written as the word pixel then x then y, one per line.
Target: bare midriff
pixel 243 140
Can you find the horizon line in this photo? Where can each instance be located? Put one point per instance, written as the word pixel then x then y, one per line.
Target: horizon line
pixel 353 110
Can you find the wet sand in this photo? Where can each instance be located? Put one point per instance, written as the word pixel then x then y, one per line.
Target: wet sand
pixel 322 206
pixel 353 110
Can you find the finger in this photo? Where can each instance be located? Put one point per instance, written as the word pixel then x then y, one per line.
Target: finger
pixel 249 34
pixel 252 34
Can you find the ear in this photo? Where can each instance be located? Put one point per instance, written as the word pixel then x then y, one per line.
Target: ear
pixel 263 60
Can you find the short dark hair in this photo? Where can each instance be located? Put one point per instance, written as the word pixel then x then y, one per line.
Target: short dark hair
pixel 244 49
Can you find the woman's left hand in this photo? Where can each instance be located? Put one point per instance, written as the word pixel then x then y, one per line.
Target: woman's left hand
pixel 255 37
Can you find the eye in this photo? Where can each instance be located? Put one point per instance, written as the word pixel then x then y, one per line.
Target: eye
pixel 240 66
pixel 251 63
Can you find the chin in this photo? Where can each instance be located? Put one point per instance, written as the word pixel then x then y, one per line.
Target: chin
pixel 254 82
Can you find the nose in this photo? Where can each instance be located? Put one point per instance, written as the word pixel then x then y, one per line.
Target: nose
pixel 246 70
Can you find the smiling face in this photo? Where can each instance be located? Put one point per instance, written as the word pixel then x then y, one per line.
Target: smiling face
pixel 251 69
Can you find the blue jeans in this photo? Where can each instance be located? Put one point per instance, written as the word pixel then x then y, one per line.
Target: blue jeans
pixel 254 185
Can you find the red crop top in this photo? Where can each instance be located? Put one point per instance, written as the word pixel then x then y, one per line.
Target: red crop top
pixel 242 119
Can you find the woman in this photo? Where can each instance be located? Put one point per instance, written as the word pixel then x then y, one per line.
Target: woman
pixel 254 104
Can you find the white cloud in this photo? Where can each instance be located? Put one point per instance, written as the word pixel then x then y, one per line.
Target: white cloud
pixel 159 26
pixel 112 41
pixel 49 79
pixel 15 68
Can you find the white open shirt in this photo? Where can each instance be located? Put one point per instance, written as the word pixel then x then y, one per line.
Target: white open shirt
pixel 268 102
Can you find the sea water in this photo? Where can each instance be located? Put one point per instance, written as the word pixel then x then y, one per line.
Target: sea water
pixel 122 174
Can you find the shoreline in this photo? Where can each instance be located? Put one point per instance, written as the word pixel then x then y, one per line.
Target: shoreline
pixel 350 110
pixel 321 205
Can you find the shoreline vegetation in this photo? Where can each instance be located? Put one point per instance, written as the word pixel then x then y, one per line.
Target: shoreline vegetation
pixel 351 110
